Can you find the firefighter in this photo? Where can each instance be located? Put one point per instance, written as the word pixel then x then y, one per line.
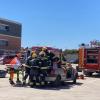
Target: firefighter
pixel 51 57
pixel 34 71
pixel 27 67
pixel 43 52
pixel 69 70
pixel 56 63
pixel 43 57
pixel 48 55
pixel 15 64
pixel 46 63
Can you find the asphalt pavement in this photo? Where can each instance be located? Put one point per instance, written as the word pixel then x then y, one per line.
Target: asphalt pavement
pixel 87 89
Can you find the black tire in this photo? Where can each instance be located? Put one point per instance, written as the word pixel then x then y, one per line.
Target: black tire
pixel 63 83
pixel 77 68
pixel 75 78
pixel 58 81
pixel 88 73
pixel 32 85
pixel 74 81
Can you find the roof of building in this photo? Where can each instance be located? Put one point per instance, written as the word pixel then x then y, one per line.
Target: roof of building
pixel 11 21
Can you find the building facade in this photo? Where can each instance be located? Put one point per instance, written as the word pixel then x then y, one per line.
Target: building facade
pixel 10 35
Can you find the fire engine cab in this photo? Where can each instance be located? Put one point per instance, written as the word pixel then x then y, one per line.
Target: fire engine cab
pixel 89 60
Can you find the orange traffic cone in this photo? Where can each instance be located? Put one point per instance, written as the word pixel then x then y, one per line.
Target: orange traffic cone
pixel 81 77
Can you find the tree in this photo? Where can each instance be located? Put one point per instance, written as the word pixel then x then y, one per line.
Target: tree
pixel 67 51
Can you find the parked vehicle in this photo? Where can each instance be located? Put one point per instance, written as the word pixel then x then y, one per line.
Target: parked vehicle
pixel 62 74
pixel 3 71
pixel 89 60
pixel 57 72
pixel 1 60
pixel 59 75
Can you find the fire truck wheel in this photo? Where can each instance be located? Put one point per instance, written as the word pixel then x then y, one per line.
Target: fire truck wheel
pixel 88 73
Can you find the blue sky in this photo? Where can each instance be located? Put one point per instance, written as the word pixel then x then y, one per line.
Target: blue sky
pixel 57 23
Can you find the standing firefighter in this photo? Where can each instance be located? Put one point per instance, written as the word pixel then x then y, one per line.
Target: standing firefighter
pixel 48 56
pixel 46 59
pixel 34 72
pixel 15 64
pixel 27 67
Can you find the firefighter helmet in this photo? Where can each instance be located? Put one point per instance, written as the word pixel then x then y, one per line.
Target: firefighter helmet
pixel 44 48
pixel 33 54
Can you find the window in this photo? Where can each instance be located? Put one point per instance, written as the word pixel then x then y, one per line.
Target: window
pixel 7 28
pixel 3 43
pixel 92 59
pixel 92 56
pixel 1 52
pixel 4 27
pixel 92 51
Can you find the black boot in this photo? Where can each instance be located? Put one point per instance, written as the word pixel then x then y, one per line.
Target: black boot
pixel 24 82
pixel 11 82
pixel 18 81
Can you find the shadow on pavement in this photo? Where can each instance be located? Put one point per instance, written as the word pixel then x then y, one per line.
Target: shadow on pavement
pixel 66 85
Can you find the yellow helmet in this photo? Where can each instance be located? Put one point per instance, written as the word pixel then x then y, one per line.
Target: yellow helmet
pixel 44 48
pixel 42 54
pixel 33 54
pixel 33 51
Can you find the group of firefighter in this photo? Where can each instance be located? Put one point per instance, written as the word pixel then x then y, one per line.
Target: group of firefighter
pixel 37 66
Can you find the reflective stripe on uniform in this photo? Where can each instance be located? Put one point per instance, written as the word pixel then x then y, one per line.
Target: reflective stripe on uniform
pixel 31 83
pixel 24 81
pixel 44 68
pixel 42 83
pixel 37 83
pixel 35 66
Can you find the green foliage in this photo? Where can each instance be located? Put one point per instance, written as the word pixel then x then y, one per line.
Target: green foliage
pixel 67 51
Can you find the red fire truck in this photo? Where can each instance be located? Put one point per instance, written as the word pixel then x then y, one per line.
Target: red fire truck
pixel 89 60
